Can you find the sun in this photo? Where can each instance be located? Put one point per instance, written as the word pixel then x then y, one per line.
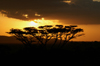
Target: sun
pixel 33 24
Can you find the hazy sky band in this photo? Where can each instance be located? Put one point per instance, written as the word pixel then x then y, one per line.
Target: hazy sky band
pixel 76 12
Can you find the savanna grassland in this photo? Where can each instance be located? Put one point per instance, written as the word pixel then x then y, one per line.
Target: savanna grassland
pixel 86 53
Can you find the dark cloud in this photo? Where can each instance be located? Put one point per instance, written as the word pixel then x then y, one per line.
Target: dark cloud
pixel 77 12
pixel 30 7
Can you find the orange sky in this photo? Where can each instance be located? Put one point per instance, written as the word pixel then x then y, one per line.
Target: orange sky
pixel 91 31
pixel 22 13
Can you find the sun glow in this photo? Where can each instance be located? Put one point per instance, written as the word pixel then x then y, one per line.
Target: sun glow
pixel 32 23
pixel 67 2
pixel 42 21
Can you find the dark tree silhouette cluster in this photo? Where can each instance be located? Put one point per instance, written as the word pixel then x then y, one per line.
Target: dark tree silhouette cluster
pixel 45 33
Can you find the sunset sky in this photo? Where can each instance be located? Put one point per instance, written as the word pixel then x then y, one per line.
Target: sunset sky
pixel 25 13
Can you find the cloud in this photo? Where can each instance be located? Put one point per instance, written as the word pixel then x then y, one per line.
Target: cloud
pixel 29 7
pixel 78 12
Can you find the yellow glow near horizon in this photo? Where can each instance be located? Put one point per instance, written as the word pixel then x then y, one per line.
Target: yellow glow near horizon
pixel 42 22
pixel 32 23
pixel 67 2
pixel 91 31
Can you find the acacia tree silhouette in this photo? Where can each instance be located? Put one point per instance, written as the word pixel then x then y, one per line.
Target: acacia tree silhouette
pixel 45 33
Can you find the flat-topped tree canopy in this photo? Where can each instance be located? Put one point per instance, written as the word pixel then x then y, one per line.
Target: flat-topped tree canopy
pixel 67 27
pixel 73 26
pixel 47 32
pixel 77 30
pixel 41 27
pixel 59 26
pixel 48 26
pixel 31 29
pixel 16 31
pixel 43 31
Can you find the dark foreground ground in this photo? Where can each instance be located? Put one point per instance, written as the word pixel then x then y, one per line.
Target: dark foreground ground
pixel 73 53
